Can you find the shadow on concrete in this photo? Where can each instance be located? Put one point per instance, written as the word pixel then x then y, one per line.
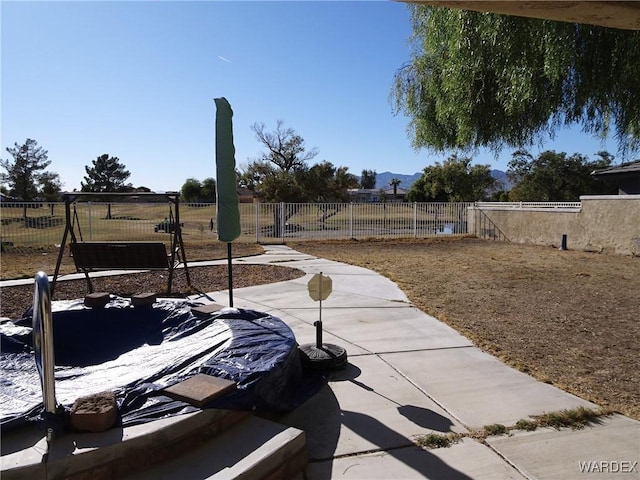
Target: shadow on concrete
pixel 322 420
pixel 426 418
pixel 422 461
pixel 21 439
pixel 422 417
pixel 348 373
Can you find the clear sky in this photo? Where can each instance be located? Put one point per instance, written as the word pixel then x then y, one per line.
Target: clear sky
pixel 137 80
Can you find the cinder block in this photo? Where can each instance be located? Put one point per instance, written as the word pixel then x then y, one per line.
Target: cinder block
pixel 143 299
pixel 94 413
pixel 97 299
pixel 200 389
pixel 206 310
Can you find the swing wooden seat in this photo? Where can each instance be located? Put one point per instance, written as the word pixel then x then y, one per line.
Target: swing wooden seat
pixel 101 256
pixel 96 256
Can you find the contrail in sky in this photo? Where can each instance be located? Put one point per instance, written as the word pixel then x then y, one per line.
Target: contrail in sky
pixel 224 59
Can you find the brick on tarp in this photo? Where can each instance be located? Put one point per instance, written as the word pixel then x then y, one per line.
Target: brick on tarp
pixel 143 299
pixel 94 413
pixel 97 299
pixel 206 310
pixel 200 389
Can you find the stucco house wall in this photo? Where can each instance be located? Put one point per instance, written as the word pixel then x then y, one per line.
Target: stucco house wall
pixel 608 223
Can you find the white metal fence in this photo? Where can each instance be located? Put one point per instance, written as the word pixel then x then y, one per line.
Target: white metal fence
pixel 359 220
pixel 41 224
pixel 529 205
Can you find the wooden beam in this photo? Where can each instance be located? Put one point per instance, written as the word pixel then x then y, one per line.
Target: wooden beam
pixel 613 14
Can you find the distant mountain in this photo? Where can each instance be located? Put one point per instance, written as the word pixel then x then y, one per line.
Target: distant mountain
pixel 383 179
pixel 501 176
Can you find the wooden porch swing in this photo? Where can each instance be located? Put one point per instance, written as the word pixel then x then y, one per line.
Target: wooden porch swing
pixel 94 256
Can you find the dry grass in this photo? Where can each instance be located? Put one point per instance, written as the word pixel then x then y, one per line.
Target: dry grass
pixel 568 318
pixel 575 419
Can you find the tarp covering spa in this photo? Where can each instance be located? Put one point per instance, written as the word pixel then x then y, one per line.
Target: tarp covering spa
pixel 137 352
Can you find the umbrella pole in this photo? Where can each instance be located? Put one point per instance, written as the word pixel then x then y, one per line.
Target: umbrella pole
pixel 230 274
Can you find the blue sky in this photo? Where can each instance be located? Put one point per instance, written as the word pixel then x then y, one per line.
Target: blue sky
pixel 137 80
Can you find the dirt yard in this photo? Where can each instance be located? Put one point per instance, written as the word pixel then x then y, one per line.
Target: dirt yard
pixel 14 301
pixel 568 318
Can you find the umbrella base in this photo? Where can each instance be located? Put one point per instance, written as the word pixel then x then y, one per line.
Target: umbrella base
pixel 326 357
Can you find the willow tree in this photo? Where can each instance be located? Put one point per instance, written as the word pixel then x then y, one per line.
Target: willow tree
pixel 487 80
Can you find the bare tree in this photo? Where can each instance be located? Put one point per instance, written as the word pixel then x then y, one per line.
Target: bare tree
pixel 285 147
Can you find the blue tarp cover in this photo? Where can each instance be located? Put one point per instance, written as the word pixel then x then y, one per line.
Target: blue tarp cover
pixel 136 352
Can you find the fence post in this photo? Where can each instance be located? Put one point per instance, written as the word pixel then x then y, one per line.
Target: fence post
pixel 257 215
pixel 281 219
pixel 351 220
pixel 90 221
pixel 415 220
pixel 472 211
